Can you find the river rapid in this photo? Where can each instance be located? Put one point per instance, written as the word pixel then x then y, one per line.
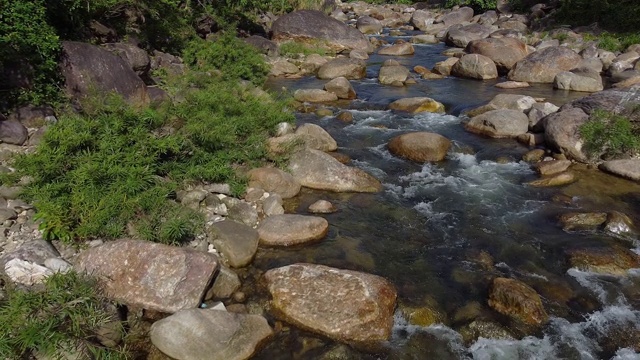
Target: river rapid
pixel 430 230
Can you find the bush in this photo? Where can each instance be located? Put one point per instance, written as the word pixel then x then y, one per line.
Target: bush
pixel 66 313
pixel 607 135
pixel 477 5
pixel 292 48
pixel 622 15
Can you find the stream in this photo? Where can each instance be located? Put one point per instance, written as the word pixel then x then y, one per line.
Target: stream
pixel 431 226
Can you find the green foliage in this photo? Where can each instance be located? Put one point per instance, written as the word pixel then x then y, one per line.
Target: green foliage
pixel 477 5
pixel 232 56
pixel 614 42
pixel 29 44
pixel 292 49
pixel 621 15
pixel 609 135
pixel 64 315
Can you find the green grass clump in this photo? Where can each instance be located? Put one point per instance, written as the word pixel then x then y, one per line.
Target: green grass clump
pixel 292 48
pixel 477 5
pixel 65 314
pixel 607 135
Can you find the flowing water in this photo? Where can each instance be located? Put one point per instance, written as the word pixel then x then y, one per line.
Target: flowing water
pixel 425 232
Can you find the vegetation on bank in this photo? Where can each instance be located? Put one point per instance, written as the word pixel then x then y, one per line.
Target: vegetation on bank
pixel 64 316
pixel 608 135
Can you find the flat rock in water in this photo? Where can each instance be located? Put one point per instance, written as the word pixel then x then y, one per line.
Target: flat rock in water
pixel 344 305
pixel 398 49
pixel 552 167
pixel 563 178
pixel 149 275
pixel 475 66
pixel 237 242
pixel 208 334
pixel 318 170
pixel 290 229
pixel 512 85
pixel 614 260
pixel 322 207
pixel 417 105
pixel 582 221
pixel 502 123
pixel 350 69
pixel 274 180
pixel 517 300
pixel 420 146
pixel 392 74
pixel 314 95
pixel 315 137
pixel 628 169
pixel 341 87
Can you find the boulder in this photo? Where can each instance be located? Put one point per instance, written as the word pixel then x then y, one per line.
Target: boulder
pixel 460 36
pixel 488 18
pixel 459 16
pixel 560 179
pixel 318 170
pixel 26 273
pixel 505 101
pixel 626 168
pixel 290 229
pixel 341 87
pixel 13 132
pixel 517 300
pixel 417 105
pixel 343 305
pixel 444 67
pixel 237 242
pixel 420 146
pixel 280 66
pixel 537 112
pixel 619 224
pixel 614 260
pixel 273 205
pixel 399 48
pixel 562 132
pixel 149 275
pixel 475 66
pixel 582 221
pixel 241 211
pixel 512 85
pixel 368 25
pixel 36 252
pixel 505 52
pixel 314 95
pixel 424 39
pixel 313 62
pixel 484 329
pixel 208 334
pixel 274 180
pixel 32 116
pixel 305 25
pixel 343 67
pixel 579 80
pixel 543 65
pixel 322 207
pixel 421 19
pixel 225 284
pixel 315 137
pixel 502 123
pixel 87 68
pixel 393 74
pixel 263 45
pixel 552 167
pixel 138 59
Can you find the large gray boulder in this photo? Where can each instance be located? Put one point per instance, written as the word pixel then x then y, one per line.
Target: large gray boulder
pixel 346 306
pixel 237 242
pixel 149 275
pixel 460 36
pixel 393 74
pixel 579 80
pixel 628 168
pixel 87 68
pixel 306 25
pixel 459 16
pixel 562 132
pixel 475 66
pixel 368 25
pixel 543 65
pixel 208 334
pixel 348 68
pixel 13 132
pixel 138 59
pixel 318 170
pixel 421 19
pixel 503 123
pixel 341 87
pixel 505 52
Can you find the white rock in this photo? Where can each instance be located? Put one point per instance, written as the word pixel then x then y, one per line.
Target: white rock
pixel 58 265
pixel 25 272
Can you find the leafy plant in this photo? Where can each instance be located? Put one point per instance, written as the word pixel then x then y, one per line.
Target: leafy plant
pixel 63 316
pixel 292 48
pixel 477 5
pixel 608 135
pixel 622 15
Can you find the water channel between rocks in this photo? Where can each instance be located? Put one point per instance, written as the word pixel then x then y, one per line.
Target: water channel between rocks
pixel 425 230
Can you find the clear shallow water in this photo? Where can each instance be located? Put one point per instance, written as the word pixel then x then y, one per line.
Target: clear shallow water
pixel 424 231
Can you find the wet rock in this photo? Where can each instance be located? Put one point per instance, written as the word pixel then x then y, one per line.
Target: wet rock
pixel 322 207
pixel 501 123
pixel 389 75
pixel 563 178
pixel 534 155
pixel 512 85
pixel 314 95
pixel 346 306
pixel 562 132
pixel 552 167
pixel 273 205
pixel 582 221
pixel 604 260
pixel 543 65
pixel 517 300
pixel 368 25
pixel 505 52
pixel 459 16
pixel 423 316
pixel 417 105
pixel 225 284
pixel 628 169
pixel 237 242
pixel 420 146
pixel 152 276
pixel 341 87
pixel 302 25
pixel 484 329
pixel 582 80
pixel 13 132
pixel 462 35
pixel 343 67
pixel 619 224
pixel 290 229
pixel 318 170
pixel 207 334
pixel 475 66
pixel 444 67
pixel 345 117
pixel 274 180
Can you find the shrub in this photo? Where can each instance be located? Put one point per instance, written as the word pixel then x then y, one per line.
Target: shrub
pixel 292 48
pixel 66 312
pixel 622 15
pixel 477 5
pixel 608 135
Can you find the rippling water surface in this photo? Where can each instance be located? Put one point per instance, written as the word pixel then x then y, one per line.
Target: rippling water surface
pixel 425 230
